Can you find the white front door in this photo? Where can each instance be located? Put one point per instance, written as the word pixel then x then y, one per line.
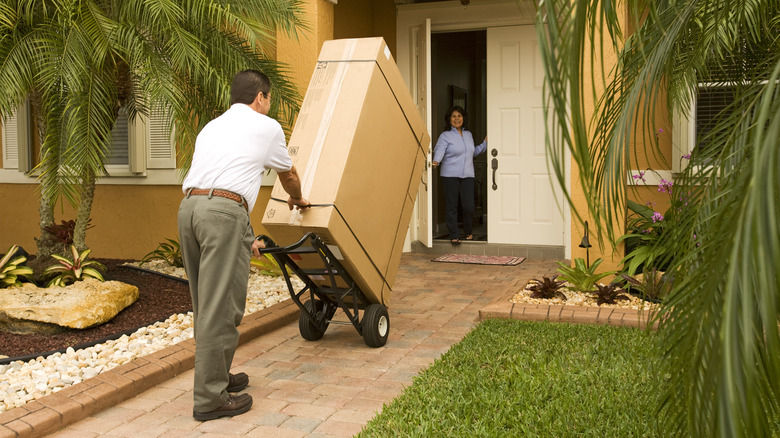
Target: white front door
pixel 422 91
pixel 522 204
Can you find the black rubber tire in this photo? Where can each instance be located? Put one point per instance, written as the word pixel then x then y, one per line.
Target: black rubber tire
pixel 375 325
pixel 308 328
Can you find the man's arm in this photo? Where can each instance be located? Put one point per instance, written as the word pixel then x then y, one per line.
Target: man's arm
pixel 292 185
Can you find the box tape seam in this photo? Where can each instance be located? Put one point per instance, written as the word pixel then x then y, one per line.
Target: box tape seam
pixel 376 268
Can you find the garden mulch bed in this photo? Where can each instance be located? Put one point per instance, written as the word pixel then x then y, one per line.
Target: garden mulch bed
pixel 158 298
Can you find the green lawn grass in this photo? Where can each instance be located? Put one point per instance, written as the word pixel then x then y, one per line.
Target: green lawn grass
pixel 531 379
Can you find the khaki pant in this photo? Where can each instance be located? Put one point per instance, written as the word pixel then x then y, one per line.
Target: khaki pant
pixel 215 235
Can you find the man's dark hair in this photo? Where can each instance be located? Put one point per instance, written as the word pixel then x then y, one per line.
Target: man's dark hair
pixel 447 116
pixel 246 84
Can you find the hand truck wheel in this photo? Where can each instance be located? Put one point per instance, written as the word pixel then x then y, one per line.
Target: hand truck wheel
pixel 375 325
pixel 308 328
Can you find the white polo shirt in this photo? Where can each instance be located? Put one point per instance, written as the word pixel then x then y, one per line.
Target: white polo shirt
pixel 233 150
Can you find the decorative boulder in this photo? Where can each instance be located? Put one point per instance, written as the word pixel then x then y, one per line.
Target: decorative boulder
pixel 84 304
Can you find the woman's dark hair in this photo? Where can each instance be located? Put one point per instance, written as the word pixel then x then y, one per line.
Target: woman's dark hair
pixel 246 84
pixel 447 116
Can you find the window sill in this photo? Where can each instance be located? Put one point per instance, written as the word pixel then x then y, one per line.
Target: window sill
pixel 150 177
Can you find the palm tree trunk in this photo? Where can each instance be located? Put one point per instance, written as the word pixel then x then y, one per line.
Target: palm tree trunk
pixel 84 211
pixel 47 243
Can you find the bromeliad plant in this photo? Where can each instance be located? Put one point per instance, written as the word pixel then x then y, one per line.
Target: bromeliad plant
pixel 63 232
pixel 12 268
pixel 69 271
pixel 547 288
pixel 170 252
pixel 655 285
pixel 608 294
pixel 581 277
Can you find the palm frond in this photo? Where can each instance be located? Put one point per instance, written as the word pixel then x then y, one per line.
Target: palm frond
pixel 719 324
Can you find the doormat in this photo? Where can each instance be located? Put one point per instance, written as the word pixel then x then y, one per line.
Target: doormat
pixel 480 259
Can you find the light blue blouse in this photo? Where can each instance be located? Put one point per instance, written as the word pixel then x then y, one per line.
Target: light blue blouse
pixel 455 153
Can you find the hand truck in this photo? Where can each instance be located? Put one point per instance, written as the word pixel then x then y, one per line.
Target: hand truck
pixel 334 288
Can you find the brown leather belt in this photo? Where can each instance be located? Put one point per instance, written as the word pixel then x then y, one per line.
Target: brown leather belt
pixel 221 193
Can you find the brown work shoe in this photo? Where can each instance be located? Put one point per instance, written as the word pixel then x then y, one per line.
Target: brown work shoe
pixel 235 405
pixel 237 382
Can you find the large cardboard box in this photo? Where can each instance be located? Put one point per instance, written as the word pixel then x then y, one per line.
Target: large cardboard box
pixel 360 146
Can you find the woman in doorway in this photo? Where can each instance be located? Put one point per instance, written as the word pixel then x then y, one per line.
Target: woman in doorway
pixel 455 152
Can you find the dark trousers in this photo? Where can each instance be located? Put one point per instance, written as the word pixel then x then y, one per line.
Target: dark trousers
pixel 462 188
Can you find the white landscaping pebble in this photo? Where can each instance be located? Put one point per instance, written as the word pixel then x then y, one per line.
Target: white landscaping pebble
pixel 575 298
pixel 21 382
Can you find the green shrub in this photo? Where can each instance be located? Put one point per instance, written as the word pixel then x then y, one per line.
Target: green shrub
pixel 68 271
pixel 582 277
pixel 267 265
pixel 170 252
pixel 12 268
pixel 646 240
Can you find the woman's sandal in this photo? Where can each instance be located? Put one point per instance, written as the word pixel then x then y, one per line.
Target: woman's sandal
pixel 470 237
pixel 455 241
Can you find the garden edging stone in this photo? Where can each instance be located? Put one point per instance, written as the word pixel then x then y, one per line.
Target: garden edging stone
pixel 571 314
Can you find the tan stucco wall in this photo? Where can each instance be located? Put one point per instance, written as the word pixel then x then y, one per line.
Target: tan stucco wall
pixel 601 248
pixel 128 221
pixel 300 54
pixel 639 160
pixel 366 18
pixel 19 217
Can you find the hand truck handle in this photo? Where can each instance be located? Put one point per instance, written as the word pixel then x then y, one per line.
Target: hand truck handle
pixel 271 246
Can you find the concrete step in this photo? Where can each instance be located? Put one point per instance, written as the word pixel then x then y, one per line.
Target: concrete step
pixel 537 252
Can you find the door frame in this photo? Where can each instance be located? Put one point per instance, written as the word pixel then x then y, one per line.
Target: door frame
pixel 452 17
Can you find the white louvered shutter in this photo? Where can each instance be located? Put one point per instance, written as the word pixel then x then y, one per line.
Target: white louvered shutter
pixel 161 151
pixel 11 142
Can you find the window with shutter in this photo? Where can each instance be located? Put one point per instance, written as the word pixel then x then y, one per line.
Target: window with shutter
pixel 138 146
pixel 16 139
pixel 715 94
pixel 141 144
pixel 10 142
pixel 710 102
pixel 161 151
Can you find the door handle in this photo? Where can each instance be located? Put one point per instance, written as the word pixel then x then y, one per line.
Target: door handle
pixel 494 166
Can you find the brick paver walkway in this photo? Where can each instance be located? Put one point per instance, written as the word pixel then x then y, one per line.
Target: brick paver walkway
pixel 327 388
